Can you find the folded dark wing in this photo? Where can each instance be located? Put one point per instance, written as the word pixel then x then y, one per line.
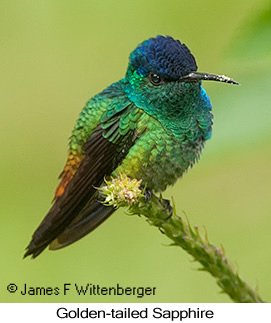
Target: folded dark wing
pixel 104 150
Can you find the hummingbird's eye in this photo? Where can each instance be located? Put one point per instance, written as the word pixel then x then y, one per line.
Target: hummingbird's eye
pixel 155 79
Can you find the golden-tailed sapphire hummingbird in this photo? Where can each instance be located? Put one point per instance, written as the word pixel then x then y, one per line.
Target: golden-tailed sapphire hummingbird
pixel 151 125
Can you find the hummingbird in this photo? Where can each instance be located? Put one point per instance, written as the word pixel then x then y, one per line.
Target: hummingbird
pixel 151 126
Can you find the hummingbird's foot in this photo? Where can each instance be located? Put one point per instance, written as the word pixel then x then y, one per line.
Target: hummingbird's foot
pixel 168 207
pixel 147 195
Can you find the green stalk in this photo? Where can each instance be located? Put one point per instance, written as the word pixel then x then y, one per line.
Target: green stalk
pixel 125 192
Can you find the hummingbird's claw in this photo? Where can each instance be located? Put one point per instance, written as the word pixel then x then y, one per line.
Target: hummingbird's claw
pixel 147 195
pixel 168 207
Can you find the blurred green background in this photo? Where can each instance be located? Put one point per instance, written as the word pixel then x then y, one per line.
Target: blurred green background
pixel 55 55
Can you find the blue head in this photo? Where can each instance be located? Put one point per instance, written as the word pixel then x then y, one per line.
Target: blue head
pixel 164 56
pixel 163 79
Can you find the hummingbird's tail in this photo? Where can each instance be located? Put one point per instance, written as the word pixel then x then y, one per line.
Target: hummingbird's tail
pixel 86 221
pixel 89 219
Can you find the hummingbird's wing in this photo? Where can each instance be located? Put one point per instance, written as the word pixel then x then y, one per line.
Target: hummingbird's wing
pixel 104 150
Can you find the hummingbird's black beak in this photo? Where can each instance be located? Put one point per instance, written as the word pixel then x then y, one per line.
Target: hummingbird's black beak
pixel 197 76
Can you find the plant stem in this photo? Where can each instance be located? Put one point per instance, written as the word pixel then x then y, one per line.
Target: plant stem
pixel 124 191
pixel 212 259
